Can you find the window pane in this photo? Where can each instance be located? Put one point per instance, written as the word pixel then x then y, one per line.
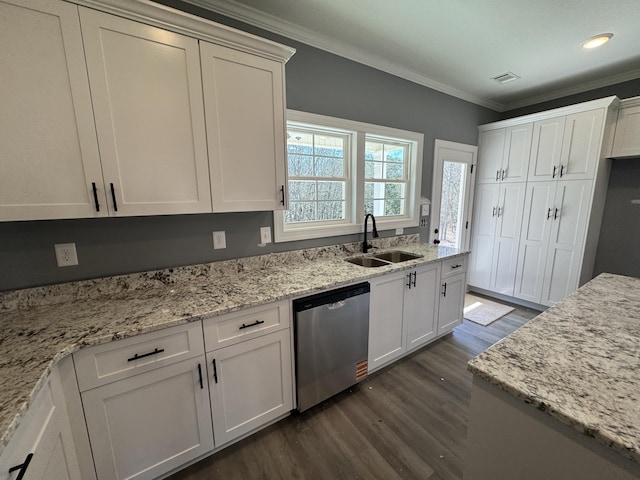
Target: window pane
pixel 394 190
pixel 331 210
pixel 451 203
pixel 394 171
pixel 331 191
pixel 300 212
pixel 302 190
pixel 299 165
pixel 393 207
pixel 329 167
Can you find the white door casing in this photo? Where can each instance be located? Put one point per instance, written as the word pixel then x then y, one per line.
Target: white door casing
pixel 445 151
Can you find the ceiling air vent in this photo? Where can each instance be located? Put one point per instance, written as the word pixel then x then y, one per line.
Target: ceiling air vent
pixel 506 77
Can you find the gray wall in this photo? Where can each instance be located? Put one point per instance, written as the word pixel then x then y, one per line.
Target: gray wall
pixel 317 82
pixel 619 245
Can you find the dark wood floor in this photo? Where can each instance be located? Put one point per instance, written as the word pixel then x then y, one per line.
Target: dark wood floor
pixel 407 421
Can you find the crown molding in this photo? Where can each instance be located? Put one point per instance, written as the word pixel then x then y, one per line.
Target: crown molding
pixel 583 87
pixel 256 18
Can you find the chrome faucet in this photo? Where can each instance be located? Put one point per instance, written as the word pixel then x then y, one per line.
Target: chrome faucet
pixel 365 245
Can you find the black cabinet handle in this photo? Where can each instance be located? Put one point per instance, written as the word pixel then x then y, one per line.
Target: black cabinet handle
pixel 497 175
pixel 215 371
pixel 113 197
pixel 553 175
pixel 23 467
pixel 444 289
pixel 415 275
pixel 453 267
pixel 155 352
pixel 282 192
pixel 504 173
pixel 494 212
pixel 95 196
pixel 408 284
pixel 257 322
pixel 561 170
pixel 200 376
pixel 555 214
pixel 548 214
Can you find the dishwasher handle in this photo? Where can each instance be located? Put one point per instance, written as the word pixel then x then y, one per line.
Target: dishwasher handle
pixel 336 305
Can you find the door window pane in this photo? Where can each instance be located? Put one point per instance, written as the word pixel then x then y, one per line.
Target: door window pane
pixel 451 208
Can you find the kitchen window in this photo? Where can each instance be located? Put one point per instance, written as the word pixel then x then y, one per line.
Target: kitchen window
pixel 339 170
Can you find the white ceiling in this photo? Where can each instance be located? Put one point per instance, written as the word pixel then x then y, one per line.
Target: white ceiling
pixel 457 46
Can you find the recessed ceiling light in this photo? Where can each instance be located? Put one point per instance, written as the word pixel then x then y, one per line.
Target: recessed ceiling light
pixel 596 41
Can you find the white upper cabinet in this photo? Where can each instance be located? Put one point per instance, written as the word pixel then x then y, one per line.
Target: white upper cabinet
pixel 103 112
pixel 245 114
pixel 147 98
pixel 546 149
pixel 627 138
pixel 581 145
pixel 504 154
pixel 48 147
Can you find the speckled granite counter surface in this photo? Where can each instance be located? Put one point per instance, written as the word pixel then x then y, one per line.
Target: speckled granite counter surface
pixel 39 326
pixel 579 361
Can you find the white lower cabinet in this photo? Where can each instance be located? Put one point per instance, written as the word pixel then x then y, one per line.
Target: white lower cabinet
pixel 406 309
pixel 42 447
pixel 451 302
pixel 550 256
pixel 250 384
pixel 146 425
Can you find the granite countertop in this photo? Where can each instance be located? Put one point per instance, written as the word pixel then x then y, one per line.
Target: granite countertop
pixel 40 326
pixel 579 361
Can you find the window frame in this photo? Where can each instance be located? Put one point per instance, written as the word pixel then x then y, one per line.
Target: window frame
pixel 359 132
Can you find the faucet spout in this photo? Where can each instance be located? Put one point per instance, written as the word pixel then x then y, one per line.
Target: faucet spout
pixel 366 245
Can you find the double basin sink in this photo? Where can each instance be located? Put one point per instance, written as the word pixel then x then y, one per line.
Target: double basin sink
pixel 384 258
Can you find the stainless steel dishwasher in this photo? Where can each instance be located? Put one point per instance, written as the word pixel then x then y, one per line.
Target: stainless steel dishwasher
pixel 331 342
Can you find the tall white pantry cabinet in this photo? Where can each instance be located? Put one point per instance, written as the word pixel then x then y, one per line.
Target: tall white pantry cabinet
pixel 535 236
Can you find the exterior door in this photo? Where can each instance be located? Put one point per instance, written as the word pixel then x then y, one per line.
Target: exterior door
pixel 453 188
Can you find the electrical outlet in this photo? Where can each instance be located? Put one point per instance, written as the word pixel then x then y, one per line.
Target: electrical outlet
pixel 424 222
pixel 66 254
pixel 219 240
pixel 265 234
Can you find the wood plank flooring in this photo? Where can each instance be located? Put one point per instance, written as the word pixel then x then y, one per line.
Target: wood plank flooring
pixel 407 421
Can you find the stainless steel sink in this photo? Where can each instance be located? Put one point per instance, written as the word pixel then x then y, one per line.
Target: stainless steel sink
pixel 366 261
pixel 396 256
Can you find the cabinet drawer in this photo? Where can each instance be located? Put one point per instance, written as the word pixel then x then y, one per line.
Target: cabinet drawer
pixel 243 325
pixel 113 361
pixel 454 266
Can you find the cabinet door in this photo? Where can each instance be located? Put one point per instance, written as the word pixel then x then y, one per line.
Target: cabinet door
pixel 485 213
pixel 147 97
pixel 421 305
pixel 451 303
pixel 546 149
pixel 386 327
pixel 507 237
pixel 566 244
pixel 44 434
pixel 48 144
pixel 251 384
pixel 490 152
pixel 151 423
pixel 534 240
pixel 627 139
pixel 517 148
pixel 581 145
pixel 244 106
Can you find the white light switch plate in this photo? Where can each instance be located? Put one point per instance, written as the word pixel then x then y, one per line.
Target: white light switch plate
pixel 265 235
